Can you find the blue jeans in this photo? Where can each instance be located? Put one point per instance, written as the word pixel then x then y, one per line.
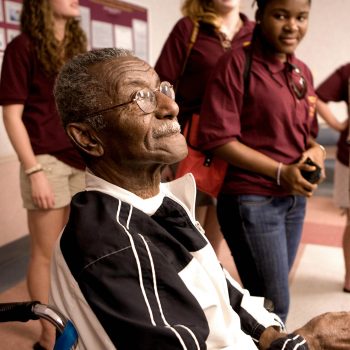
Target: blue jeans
pixel 263 234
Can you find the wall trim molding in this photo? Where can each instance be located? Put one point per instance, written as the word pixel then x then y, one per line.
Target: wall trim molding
pixel 14 258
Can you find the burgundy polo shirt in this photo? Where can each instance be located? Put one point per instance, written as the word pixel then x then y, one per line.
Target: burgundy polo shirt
pixel 336 88
pixel 204 55
pixel 272 120
pixel 23 81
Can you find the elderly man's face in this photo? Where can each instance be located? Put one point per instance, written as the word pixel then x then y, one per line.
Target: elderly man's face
pixel 132 135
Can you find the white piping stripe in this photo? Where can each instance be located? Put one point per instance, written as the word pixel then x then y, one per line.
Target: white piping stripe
pixel 178 337
pixel 138 265
pixel 191 333
pixel 285 343
pixel 300 344
pixel 155 287
pixel 277 319
pixel 129 217
pixel 297 345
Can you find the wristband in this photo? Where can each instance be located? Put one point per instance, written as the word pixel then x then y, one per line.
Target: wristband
pixel 35 169
pixel 278 174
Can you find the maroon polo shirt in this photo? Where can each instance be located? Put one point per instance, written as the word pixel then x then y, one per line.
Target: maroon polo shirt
pixel 23 81
pixel 336 88
pixel 272 120
pixel 204 55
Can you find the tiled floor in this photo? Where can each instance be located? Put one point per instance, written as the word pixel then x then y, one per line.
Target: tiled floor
pixel 316 280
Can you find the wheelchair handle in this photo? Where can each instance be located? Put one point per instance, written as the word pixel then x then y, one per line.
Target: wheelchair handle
pixel 67 335
pixel 19 311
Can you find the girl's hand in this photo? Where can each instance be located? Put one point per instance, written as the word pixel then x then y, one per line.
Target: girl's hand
pixel 292 179
pixel 42 193
pixel 317 155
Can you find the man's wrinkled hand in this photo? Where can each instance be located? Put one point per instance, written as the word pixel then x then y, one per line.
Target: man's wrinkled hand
pixel 329 331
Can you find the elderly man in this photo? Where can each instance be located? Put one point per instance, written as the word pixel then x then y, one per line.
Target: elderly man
pixel 133 269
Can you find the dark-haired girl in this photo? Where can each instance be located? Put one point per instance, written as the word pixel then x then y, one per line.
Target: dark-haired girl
pixel 51 170
pixel 259 115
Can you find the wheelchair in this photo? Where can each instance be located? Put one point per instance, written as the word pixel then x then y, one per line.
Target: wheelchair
pixel 66 334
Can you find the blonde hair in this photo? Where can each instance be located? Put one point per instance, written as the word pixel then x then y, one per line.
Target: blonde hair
pixel 37 23
pixel 201 10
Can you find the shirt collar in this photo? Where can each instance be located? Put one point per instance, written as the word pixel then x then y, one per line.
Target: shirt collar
pixel 182 190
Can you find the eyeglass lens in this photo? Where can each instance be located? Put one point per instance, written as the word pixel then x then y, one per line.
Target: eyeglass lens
pixel 147 100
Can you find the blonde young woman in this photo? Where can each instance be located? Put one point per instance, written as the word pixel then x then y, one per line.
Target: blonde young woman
pixel 221 27
pixel 51 170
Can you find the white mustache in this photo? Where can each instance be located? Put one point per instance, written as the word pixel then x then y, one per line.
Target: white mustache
pixel 168 128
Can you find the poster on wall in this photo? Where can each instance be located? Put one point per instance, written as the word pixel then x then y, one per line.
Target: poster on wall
pixel 102 34
pixel 11 33
pixel 140 38
pixel 1 12
pixel 85 20
pixel 123 37
pixel 2 39
pixel 13 12
pixel 114 23
pixel 10 15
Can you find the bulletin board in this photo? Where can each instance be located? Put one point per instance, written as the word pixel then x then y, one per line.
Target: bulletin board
pixel 10 12
pixel 107 23
pixel 113 23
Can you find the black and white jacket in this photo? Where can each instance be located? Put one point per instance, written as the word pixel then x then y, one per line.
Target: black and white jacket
pixel 140 274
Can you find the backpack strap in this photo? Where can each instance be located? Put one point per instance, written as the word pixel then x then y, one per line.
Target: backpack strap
pixel 190 44
pixel 247 68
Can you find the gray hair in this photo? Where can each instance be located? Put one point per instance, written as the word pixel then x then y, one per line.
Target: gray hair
pixel 79 92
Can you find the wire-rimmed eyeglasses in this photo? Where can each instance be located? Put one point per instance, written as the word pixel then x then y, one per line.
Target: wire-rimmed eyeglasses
pixel 145 98
pixel 296 81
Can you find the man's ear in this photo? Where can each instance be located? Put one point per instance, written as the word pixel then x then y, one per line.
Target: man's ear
pixel 85 138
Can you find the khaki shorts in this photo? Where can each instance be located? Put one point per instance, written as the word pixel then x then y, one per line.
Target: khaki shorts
pixel 64 180
pixel 341 185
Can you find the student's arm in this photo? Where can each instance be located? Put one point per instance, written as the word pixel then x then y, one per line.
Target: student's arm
pixel 326 114
pixel 242 156
pixel 41 190
pixel 18 134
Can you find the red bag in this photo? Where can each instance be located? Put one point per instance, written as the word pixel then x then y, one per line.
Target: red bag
pixel 208 171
